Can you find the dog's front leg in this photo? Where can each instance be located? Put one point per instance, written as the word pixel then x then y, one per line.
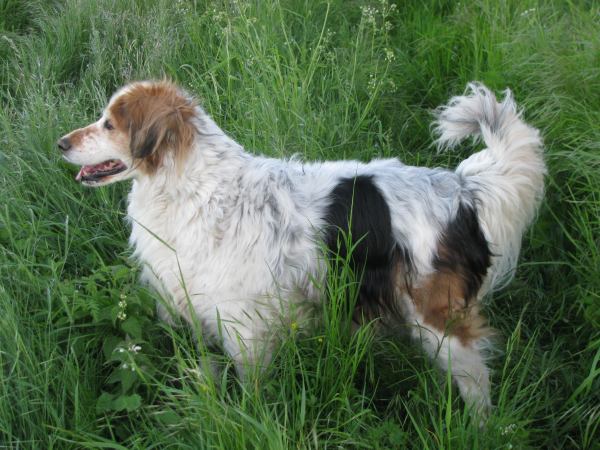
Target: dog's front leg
pixel 249 349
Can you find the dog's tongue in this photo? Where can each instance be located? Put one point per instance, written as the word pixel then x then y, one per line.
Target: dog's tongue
pixel 102 167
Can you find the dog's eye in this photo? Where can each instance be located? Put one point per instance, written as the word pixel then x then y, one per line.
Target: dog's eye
pixel 108 125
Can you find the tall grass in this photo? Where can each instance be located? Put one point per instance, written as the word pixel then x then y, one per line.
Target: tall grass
pixel 321 79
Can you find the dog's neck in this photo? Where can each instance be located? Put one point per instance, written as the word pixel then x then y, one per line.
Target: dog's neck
pixel 211 165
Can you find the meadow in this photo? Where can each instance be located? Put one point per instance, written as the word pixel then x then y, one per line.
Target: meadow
pixel 84 361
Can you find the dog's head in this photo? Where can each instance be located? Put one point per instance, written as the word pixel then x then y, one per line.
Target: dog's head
pixel 145 126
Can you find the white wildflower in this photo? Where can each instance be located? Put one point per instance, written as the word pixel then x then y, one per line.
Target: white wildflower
pixel 122 315
pixel 509 429
pixel 389 55
pixel 527 12
pixel 134 348
pixel 372 84
pixel 368 14
pixel 392 88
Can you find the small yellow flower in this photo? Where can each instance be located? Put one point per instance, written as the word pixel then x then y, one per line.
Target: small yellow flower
pixel 294 326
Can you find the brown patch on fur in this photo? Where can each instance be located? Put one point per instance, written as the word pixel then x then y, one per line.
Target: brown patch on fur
pixel 158 119
pixel 441 300
pixel 76 137
pixel 447 299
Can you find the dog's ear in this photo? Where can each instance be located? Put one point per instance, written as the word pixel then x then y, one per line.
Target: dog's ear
pixel 145 140
pixel 159 119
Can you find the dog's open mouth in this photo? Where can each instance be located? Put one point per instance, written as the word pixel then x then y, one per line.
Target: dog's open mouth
pixel 97 172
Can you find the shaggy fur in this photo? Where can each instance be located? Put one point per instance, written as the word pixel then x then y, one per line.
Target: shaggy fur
pixel 235 240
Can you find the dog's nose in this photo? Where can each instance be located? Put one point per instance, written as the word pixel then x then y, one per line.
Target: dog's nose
pixel 64 144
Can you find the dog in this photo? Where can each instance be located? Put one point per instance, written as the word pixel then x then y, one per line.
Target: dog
pixel 236 241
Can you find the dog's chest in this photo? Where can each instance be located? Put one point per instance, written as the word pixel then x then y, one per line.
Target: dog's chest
pixel 178 242
pixel 220 252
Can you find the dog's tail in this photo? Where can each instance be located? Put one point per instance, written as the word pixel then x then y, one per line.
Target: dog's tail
pixel 506 178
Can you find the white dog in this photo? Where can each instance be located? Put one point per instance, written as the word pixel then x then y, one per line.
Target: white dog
pixel 236 239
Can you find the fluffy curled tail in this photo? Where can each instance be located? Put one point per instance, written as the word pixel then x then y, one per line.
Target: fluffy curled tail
pixel 506 178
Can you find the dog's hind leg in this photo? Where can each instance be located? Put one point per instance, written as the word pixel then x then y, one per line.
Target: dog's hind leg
pixel 464 360
pixel 453 334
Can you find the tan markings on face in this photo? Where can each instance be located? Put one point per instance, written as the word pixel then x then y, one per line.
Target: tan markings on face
pixel 157 118
pixel 78 136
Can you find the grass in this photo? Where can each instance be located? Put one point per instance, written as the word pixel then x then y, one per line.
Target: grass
pixel 323 80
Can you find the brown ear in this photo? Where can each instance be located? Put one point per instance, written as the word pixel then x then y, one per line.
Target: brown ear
pixel 159 120
pixel 145 140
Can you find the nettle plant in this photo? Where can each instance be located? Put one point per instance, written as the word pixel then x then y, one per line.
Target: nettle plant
pixel 121 313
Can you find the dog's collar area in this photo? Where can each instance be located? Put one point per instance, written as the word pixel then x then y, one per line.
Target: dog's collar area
pixel 97 172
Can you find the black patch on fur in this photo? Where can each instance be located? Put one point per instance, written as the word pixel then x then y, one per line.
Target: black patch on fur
pixel 358 210
pixel 465 250
pixel 142 145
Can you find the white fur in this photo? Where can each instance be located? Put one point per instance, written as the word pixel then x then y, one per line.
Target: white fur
pixel 234 239
pixel 507 178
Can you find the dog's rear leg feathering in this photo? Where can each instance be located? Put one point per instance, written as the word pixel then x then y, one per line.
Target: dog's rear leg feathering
pixel 507 177
pixel 506 183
